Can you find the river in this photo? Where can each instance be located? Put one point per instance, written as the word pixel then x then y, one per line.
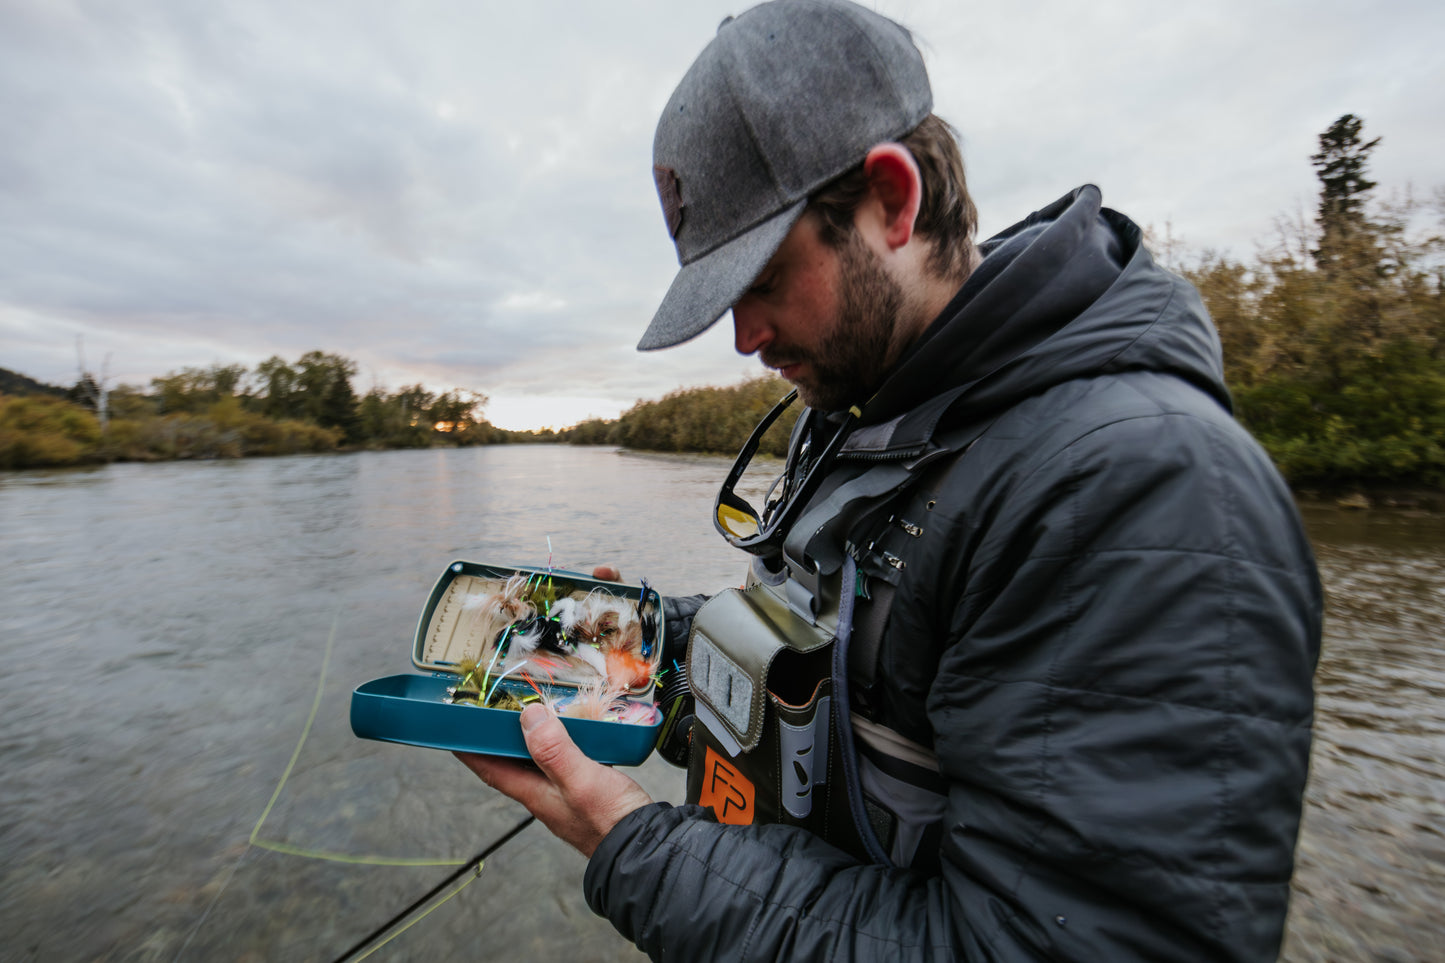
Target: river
pixel 181 641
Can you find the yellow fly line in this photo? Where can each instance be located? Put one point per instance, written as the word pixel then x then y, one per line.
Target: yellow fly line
pixel 292 850
pixel 390 931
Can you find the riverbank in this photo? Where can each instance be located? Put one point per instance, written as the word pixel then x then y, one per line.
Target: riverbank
pixel 1366 497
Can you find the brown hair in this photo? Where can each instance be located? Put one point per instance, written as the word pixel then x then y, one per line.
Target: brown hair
pixel 946 215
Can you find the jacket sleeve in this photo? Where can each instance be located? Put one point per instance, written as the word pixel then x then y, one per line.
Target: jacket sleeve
pixel 1121 708
pixel 684 887
pixel 677 613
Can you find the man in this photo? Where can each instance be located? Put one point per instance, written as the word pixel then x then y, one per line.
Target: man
pixel 1071 616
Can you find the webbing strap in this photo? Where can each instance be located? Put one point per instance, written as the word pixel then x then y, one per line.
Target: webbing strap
pixel 842 718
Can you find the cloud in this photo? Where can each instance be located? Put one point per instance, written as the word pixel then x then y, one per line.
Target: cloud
pixel 459 193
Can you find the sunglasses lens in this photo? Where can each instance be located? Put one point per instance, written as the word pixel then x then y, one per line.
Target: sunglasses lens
pixel 736 523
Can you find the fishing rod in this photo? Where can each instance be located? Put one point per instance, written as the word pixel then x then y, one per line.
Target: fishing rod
pixel 429 901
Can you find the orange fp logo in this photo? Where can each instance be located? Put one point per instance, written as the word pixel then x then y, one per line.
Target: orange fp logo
pixel 727 791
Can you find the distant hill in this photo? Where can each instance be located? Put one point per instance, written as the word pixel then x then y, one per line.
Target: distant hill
pixel 15 383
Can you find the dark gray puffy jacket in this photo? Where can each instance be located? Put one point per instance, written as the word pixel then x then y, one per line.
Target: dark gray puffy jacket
pixel 1109 641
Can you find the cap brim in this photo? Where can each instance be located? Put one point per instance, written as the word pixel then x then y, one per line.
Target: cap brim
pixel 703 291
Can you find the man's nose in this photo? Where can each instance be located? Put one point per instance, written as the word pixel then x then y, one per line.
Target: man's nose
pixel 751 330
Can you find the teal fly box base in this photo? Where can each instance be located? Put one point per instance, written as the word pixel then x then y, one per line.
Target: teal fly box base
pixel 494 638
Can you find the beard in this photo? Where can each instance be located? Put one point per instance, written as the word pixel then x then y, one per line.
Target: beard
pixel 849 362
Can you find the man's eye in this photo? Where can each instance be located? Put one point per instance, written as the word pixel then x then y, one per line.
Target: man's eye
pixel 763 285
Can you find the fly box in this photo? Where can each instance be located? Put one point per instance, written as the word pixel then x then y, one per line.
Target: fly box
pixel 495 638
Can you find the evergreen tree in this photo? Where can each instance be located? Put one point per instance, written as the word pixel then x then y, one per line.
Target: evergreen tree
pixel 339 409
pixel 1340 166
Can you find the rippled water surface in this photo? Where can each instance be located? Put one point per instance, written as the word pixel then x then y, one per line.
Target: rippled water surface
pixel 164 630
pixel 1370 873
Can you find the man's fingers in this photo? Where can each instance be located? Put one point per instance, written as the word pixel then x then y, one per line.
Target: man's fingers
pixel 578 799
pixel 510 777
pixel 607 573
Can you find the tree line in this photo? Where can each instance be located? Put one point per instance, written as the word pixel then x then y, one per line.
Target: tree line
pixel 716 420
pixel 1334 337
pixel 228 411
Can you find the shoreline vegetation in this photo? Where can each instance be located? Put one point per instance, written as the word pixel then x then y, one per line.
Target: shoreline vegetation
pixel 227 412
pixel 43 426
pixel 1333 339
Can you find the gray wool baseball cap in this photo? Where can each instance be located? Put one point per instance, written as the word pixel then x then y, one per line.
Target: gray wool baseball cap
pixel 786 97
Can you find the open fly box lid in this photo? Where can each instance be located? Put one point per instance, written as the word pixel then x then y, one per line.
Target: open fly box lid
pixel 497 637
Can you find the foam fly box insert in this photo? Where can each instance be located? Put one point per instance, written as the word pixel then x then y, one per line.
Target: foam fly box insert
pixel 493 639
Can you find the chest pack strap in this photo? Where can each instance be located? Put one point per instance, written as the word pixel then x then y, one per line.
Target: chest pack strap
pixel 813 552
pixel 816 546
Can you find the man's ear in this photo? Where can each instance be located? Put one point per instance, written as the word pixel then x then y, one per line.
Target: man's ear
pixel 895 190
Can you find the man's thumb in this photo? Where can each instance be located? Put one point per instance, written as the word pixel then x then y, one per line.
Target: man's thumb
pixel 547 740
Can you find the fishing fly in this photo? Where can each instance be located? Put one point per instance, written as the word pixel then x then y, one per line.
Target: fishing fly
pixel 585 652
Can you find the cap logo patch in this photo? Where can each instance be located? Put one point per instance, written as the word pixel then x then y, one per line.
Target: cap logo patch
pixel 670 193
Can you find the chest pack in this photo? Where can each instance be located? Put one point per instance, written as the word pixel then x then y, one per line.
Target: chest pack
pixel 773 668
pixel 764 747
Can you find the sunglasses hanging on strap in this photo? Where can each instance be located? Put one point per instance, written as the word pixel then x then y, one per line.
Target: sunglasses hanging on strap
pixel 762 533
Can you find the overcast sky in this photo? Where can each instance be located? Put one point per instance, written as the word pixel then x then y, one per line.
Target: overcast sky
pixel 460 193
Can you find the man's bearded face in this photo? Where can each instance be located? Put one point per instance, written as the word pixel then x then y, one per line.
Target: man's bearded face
pixel 847 363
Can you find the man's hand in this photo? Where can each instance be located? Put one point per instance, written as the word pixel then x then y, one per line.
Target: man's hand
pixel 577 799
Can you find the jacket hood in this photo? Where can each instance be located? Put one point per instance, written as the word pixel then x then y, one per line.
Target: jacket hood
pixel 1069 292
